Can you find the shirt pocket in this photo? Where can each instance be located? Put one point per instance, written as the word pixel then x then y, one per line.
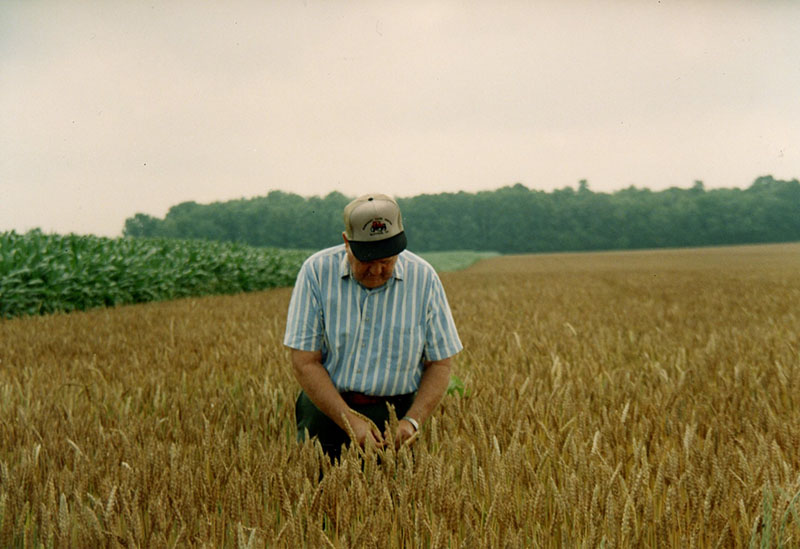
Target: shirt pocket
pixel 408 344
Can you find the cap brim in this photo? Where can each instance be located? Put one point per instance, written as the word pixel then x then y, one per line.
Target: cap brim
pixel 379 249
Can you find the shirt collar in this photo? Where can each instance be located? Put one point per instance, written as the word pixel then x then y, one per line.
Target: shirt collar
pixel 397 273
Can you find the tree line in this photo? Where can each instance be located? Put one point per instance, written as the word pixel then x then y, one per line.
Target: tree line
pixel 513 219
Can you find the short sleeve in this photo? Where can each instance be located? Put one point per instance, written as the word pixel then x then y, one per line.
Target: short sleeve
pixel 441 336
pixel 304 328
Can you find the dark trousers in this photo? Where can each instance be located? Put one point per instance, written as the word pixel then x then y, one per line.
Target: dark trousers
pixel 330 435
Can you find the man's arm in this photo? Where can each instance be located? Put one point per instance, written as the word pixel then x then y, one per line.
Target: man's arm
pixel 316 382
pixel 432 386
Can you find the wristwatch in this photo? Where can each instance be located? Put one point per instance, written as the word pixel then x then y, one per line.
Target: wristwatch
pixel 412 421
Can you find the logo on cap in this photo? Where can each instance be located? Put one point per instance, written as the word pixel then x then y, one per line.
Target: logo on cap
pixel 377 226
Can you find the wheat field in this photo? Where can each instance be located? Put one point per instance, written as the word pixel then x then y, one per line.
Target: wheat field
pixel 630 399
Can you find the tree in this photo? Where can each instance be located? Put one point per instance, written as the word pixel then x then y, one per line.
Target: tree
pixel 512 219
pixel 142 225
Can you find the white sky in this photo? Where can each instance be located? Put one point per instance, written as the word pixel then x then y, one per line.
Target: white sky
pixel 109 108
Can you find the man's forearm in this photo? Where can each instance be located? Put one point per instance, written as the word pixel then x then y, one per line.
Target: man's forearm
pixel 315 381
pixel 432 386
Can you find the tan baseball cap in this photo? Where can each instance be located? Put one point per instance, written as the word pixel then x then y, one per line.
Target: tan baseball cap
pixel 374 227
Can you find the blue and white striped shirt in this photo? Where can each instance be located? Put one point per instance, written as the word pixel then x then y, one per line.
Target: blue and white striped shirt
pixel 372 341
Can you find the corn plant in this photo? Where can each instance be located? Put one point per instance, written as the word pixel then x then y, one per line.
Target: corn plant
pixel 44 273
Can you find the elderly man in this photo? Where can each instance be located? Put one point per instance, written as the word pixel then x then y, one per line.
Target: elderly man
pixel 368 326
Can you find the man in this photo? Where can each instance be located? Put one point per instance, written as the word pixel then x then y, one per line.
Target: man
pixel 368 325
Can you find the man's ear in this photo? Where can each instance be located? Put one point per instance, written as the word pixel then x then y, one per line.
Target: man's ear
pixel 344 237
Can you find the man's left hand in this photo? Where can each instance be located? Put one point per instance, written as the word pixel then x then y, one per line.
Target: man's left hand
pixel 405 433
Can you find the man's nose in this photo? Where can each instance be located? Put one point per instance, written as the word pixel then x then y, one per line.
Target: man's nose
pixel 375 269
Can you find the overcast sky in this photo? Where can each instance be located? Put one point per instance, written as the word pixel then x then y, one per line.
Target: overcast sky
pixel 112 108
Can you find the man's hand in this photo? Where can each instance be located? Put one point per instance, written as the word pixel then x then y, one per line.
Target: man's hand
pixel 432 386
pixel 364 431
pixel 317 384
pixel 405 432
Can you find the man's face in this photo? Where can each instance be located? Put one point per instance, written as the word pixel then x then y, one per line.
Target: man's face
pixel 370 274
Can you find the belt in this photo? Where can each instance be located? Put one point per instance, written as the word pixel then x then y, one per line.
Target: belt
pixel 354 398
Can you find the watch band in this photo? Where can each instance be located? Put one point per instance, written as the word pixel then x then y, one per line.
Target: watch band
pixel 412 421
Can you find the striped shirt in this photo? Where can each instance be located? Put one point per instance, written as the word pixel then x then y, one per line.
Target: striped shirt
pixel 372 341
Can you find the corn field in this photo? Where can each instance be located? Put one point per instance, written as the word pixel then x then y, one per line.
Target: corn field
pixel 44 273
pixel 632 399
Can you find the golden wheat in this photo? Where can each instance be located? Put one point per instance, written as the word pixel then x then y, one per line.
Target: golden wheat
pixel 625 399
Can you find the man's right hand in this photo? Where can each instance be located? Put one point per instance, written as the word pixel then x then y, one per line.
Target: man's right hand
pixel 364 431
pixel 317 384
